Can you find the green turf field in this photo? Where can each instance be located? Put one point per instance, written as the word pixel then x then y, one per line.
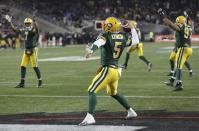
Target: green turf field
pixel 72 79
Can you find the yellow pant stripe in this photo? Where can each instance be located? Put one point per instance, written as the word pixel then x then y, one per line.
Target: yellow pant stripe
pixel 99 80
pixel 180 57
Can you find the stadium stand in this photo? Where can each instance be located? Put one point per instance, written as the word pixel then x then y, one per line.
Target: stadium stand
pixel 77 16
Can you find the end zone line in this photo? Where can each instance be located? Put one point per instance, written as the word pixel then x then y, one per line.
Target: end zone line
pixel 113 117
pixel 144 97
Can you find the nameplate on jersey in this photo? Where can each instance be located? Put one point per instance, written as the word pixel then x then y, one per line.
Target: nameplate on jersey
pixel 117 36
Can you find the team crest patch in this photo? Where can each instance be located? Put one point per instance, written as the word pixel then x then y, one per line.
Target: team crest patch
pixel 70 58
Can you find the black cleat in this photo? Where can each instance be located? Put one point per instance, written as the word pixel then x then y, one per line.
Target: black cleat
pixel 124 66
pixel 170 74
pixel 149 66
pixel 169 83
pixel 178 87
pixel 190 73
pixel 39 84
pixel 20 85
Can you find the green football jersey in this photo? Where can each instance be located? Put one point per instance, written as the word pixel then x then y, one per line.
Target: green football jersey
pixel 113 48
pixel 31 37
pixel 183 37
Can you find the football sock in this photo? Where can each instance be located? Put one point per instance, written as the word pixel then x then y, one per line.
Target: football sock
pixel 120 98
pixel 178 74
pixel 92 102
pixel 37 71
pixel 172 64
pixel 127 58
pixel 23 74
pixel 188 66
pixel 144 59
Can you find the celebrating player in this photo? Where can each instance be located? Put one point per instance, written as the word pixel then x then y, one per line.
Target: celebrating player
pixel 111 42
pixel 30 54
pixel 135 45
pixel 174 52
pixel 183 47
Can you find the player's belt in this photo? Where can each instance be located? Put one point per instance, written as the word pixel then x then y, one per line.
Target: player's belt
pixel 113 66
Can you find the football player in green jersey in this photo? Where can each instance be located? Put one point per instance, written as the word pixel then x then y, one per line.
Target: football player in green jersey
pixel 174 52
pixel 111 43
pixel 30 54
pixel 136 45
pixel 183 47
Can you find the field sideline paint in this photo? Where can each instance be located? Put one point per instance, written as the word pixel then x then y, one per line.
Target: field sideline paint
pixel 141 97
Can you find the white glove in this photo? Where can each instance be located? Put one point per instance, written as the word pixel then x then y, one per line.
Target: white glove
pixel 185 14
pixel 88 52
pixel 8 18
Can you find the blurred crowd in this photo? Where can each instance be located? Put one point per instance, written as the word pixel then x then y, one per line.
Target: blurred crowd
pixel 72 12
pixel 67 13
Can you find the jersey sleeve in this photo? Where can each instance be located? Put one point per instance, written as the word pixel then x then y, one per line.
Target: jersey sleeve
pixel 138 32
pixel 134 38
pixel 102 36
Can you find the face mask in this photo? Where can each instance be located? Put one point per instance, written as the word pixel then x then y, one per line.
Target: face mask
pixel 29 28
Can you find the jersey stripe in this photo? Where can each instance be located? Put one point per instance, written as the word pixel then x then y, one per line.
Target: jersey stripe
pixel 180 57
pixel 97 79
pixel 100 79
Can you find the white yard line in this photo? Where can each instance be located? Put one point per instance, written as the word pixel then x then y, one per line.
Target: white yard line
pixel 144 97
pixel 23 127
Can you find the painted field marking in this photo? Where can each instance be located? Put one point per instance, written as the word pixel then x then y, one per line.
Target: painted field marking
pixel 143 97
pixel 36 127
pixel 70 58
pixel 170 48
pixel 66 118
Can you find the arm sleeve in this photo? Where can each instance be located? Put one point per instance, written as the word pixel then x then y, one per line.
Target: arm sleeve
pixel 97 44
pixel 134 37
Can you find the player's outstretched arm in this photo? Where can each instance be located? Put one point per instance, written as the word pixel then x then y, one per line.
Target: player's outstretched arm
pixel 167 21
pixel 9 19
pixel 35 24
pixel 91 48
pixel 171 24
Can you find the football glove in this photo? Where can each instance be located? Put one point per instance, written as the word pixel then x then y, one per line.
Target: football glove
pixel 161 12
pixel 186 15
pixel 8 18
pixel 88 50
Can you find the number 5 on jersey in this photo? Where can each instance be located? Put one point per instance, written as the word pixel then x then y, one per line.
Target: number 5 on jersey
pixel 117 50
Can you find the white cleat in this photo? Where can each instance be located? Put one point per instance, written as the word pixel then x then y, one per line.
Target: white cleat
pixel 88 120
pixel 131 114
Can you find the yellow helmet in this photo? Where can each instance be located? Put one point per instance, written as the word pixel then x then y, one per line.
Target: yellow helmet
pixel 133 23
pixel 180 20
pixel 111 24
pixel 28 21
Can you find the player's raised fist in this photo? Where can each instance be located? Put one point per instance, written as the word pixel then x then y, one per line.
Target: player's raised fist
pixel 8 18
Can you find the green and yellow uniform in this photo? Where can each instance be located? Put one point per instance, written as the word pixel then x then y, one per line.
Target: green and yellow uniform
pixel 31 51
pixel 31 33
pixel 183 44
pixel 108 75
pixel 111 43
